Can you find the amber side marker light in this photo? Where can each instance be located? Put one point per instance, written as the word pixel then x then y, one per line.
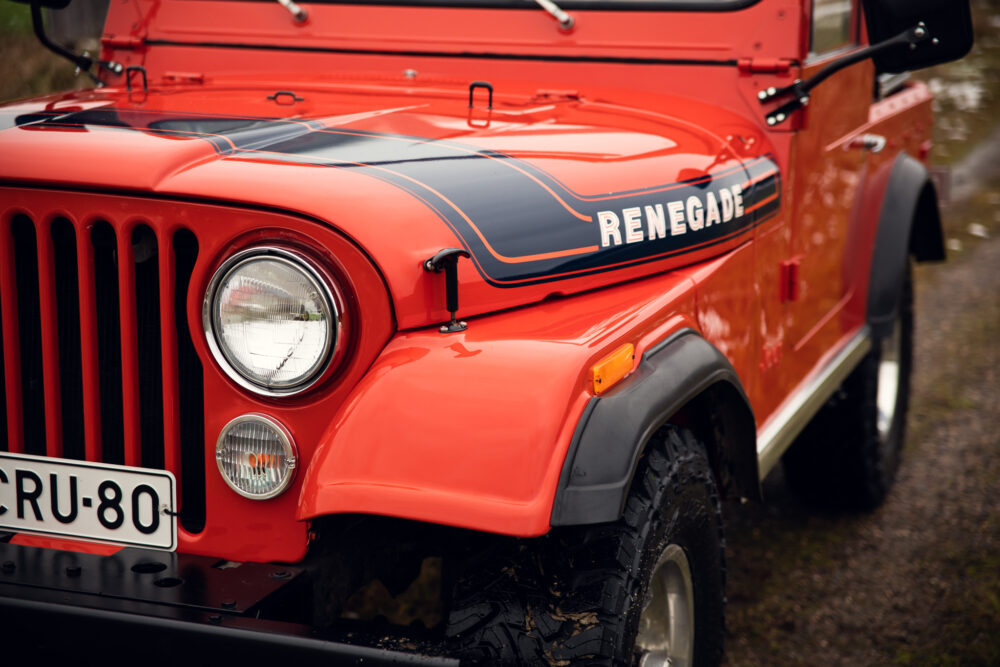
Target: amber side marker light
pixel 610 370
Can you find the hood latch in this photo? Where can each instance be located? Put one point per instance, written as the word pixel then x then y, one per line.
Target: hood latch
pixel 447 260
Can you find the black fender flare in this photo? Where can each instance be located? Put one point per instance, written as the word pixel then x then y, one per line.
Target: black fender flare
pixel 909 222
pixel 615 428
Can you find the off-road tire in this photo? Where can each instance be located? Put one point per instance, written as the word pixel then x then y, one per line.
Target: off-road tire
pixel 840 461
pixel 575 597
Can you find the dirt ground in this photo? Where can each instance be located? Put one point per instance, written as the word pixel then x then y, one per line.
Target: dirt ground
pixel 916 582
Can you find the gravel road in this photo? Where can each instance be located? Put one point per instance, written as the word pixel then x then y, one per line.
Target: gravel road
pixel 917 581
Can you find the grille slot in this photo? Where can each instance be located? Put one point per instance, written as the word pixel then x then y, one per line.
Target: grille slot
pixel 96 354
pixel 29 334
pixel 109 348
pixel 192 400
pixel 147 318
pixel 67 288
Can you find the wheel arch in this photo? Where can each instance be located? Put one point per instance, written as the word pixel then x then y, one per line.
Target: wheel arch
pixel 909 223
pixel 683 380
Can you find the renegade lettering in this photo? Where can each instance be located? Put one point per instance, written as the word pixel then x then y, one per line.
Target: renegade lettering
pixel 696 213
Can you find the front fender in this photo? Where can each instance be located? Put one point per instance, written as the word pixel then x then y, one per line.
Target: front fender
pixel 617 427
pixel 471 429
pixel 451 430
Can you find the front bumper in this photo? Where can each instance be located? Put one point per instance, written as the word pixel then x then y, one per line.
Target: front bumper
pixel 161 608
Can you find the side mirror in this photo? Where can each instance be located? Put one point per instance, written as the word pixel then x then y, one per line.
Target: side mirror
pixel 904 35
pixel 83 62
pixel 948 23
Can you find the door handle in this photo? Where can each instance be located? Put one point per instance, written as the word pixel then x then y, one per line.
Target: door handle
pixel 870 142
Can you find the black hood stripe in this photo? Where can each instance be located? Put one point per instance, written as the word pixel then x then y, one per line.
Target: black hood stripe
pixel 521 225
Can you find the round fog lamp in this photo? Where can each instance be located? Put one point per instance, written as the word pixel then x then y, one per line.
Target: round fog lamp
pixel 256 457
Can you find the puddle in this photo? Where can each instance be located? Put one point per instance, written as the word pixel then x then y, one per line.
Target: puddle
pixel 964 95
pixel 967 93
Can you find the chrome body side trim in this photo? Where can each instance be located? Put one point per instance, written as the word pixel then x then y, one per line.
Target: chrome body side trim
pixel 781 430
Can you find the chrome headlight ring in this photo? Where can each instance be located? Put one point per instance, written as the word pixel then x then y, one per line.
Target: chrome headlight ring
pixel 326 295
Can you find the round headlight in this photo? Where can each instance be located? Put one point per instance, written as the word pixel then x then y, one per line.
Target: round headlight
pixel 272 321
pixel 255 456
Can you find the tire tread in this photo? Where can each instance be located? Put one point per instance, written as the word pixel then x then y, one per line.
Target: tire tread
pixel 572 597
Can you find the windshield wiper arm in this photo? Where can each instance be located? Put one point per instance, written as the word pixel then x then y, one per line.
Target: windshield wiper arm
pixel 565 20
pixel 298 12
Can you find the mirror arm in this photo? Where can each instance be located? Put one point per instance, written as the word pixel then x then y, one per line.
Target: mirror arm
pixel 800 90
pixel 83 62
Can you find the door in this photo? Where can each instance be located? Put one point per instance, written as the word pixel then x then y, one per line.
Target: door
pixel 827 173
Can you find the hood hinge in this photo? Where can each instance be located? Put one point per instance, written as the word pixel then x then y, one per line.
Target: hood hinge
pixel 118 42
pixel 764 65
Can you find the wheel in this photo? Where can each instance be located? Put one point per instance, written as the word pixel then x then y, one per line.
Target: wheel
pixel 646 590
pixel 848 456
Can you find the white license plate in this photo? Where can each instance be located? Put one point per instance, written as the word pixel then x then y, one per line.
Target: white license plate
pixel 90 501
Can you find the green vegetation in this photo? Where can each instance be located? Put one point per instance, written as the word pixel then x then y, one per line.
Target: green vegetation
pixel 31 70
pixel 14 18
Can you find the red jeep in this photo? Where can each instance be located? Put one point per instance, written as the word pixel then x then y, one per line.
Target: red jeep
pixel 300 297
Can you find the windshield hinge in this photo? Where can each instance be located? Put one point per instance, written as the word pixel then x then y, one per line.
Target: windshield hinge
pixel 764 65
pixel 553 95
pixel 183 77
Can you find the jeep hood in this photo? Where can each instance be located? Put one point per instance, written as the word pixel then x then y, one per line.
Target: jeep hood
pixel 550 193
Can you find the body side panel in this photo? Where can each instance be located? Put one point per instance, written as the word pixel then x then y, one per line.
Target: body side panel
pixel 827 171
pixel 890 193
